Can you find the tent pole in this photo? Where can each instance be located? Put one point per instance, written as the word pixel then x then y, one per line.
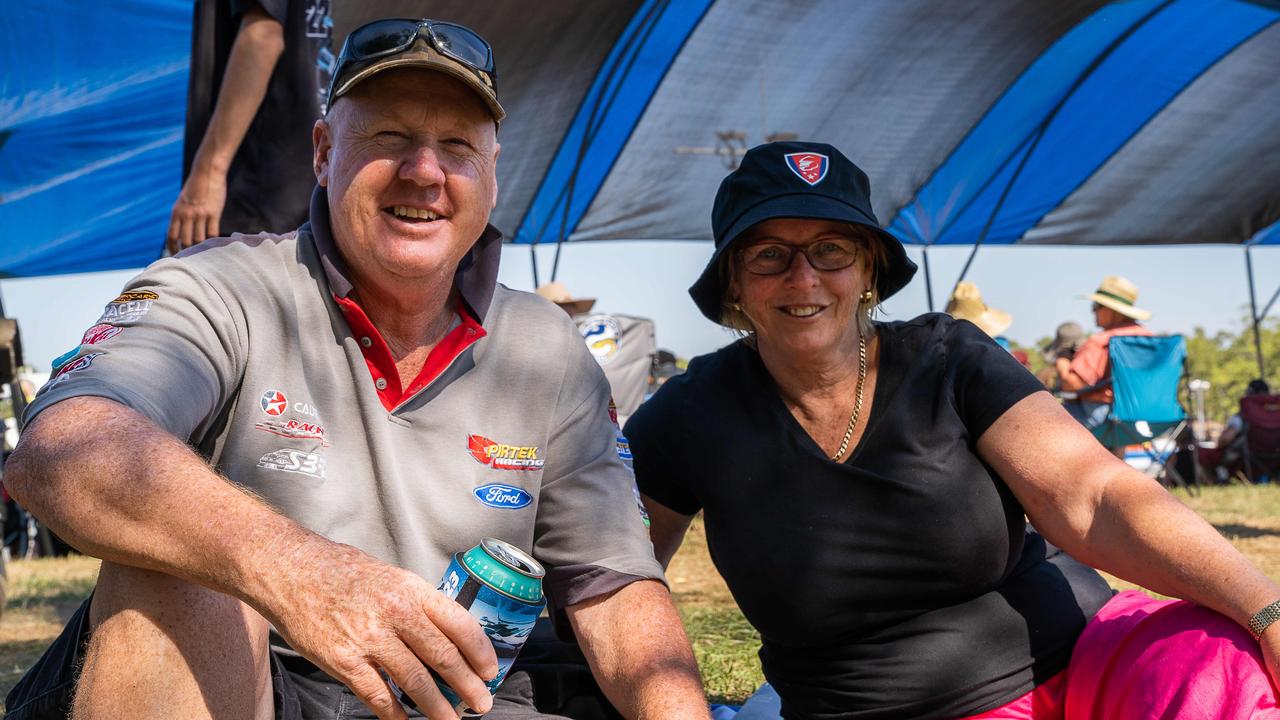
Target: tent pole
pixel 533 257
pixel 1253 311
pixel 555 263
pixel 928 284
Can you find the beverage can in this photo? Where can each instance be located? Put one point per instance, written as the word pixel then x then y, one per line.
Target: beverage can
pixel 501 586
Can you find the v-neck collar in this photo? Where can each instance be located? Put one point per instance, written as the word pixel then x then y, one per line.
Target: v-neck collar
pixel 886 383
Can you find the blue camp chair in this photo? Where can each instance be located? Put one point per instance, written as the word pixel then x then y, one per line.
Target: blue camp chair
pixel 1145 375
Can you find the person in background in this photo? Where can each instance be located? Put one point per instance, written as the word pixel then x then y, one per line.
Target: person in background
pixel 1066 340
pixel 1084 373
pixel 866 488
pixel 259 73
pixel 1232 441
pixel 966 303
pixel 624 345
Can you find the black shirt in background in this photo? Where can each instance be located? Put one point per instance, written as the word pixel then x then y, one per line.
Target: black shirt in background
pixel 902 582
pixel 270 180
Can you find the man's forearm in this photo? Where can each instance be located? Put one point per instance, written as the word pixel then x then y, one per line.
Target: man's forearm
pixel 254 54
pixel 117 487
pixel 639 653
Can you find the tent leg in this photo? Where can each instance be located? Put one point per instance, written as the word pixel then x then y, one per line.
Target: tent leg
pixel 1253 312
pixel 928 283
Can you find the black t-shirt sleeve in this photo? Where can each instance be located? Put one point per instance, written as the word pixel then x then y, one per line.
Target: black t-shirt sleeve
pixel 657 447
pixel 985 379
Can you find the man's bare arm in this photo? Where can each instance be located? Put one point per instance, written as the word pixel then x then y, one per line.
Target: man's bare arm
pixel 118 487
pixel 258 45
pixel 639 653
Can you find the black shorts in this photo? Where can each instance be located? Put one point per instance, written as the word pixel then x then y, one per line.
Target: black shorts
pixel 550 678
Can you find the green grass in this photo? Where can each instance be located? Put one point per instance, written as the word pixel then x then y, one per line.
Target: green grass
pixel 43 593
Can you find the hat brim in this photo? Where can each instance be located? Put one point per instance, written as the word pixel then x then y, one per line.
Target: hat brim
pixel 708 291
pixel 577 306
pixel 426 61
pixel 1128 311
pixel 990 321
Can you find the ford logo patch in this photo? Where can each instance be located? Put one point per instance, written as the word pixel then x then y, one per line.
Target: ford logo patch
pixel 502 496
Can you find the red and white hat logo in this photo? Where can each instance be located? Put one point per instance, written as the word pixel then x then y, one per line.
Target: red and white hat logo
pixel 274 402
pixel 809 167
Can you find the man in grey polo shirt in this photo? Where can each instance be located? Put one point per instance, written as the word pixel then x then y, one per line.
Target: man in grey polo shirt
pixel 291 434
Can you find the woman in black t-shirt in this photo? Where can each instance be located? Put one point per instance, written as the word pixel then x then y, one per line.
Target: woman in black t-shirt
pixel 864 487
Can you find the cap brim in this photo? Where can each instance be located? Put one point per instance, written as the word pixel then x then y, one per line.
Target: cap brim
pixel 427 62
pixel 708 291
pixel 1128 311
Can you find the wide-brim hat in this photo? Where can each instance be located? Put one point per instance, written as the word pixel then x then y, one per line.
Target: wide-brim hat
pixel 966 304
pixel 802 180
pixel 556 292
pixel 421 55
pixel 1119 294
pixel 1068 336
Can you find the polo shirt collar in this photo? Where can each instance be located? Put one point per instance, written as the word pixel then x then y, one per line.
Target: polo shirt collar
pixel 476 276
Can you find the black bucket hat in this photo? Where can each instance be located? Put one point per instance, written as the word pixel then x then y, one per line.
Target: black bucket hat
pixel 794 180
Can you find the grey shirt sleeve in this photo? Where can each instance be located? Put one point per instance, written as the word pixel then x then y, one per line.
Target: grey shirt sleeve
pixel 169 347
pixel 590 532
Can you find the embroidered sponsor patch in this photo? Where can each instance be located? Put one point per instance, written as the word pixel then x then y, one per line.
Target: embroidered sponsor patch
pixel 294 429
pixel 74 367
pixel 307 409
pixel 603 336
pixel 644 512
pixel 65 357
pixel 294 461
pixel 503 457
pixel 613 411
pixel 809 167
pixel 135 295
pixel 502 496
pixel 274 402
pixel 100 333
pixel 124 312
pixel 623 445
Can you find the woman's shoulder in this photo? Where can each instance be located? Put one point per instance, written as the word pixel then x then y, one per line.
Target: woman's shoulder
pixel 700 390
pixel 930 330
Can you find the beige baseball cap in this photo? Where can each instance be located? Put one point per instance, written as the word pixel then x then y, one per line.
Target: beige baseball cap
pixel 350 70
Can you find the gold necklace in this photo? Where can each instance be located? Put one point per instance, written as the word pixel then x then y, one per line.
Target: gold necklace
pixel 857 403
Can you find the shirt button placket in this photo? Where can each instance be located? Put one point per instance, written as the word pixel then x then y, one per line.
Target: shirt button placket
pixel 380 383
pixel 366 342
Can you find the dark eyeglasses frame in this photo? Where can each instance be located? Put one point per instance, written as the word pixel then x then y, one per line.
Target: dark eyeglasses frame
pixel 791 256
pixel 351 54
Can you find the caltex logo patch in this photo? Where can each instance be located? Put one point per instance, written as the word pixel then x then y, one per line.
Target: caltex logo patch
pixel 274 402
pixel 503 457
pixel 809 167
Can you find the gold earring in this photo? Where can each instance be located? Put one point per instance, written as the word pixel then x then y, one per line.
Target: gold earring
pixel 736 307
pixel 866 295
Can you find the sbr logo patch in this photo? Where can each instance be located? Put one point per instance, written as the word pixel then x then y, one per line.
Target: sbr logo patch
pixel 505 497
pixel 274 402
pixel 809 167
pixel 503 457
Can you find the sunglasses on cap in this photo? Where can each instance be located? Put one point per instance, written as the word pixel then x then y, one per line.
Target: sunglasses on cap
pixel 769 258
pixel 381 38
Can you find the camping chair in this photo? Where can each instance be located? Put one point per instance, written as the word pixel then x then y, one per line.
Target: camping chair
pixel 1261 415
pixel 1145 374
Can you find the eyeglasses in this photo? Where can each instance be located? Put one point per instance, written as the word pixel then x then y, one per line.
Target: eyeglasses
pixel 395 35
pixel 770 258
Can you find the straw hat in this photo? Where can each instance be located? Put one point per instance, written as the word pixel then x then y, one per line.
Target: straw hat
pixel 966 304
pixel 556 292
pixel 1119 294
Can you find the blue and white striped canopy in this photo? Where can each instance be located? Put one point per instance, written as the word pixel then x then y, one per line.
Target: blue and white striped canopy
pixel 1076 122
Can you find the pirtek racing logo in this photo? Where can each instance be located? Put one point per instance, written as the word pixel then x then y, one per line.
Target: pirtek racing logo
pixel 503 457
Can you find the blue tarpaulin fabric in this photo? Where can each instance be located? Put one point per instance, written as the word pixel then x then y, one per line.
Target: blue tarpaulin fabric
pixel 1005 122
pixel 92 99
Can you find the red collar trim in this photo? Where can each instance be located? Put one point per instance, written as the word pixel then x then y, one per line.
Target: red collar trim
pixel 382 366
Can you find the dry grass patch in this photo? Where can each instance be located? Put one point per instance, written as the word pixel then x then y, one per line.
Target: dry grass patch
pixel 43 593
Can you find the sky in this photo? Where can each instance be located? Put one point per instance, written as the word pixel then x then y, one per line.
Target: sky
pixel 1183 286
